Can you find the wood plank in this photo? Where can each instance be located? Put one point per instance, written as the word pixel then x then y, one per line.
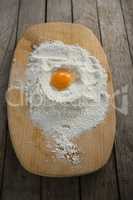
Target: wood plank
pixel 19 184
pixel 84 12
pixel 64 188
pixel 127 11
pixel 99 185
pixel 60 189
pixel 116 45
pixel 7 24
pixel 31 12
pixel 8 19
pixel 59 10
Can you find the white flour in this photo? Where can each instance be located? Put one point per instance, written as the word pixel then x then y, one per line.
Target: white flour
pixel 69 113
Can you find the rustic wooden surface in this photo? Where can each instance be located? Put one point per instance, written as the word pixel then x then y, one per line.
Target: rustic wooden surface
pixel 31 147
pixel 112 21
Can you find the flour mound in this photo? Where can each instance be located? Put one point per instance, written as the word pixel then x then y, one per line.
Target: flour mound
pixel 68 113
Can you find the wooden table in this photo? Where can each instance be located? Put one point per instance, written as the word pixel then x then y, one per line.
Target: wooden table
pixel 111 21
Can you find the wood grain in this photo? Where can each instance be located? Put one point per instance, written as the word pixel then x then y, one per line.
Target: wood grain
pixel 85 12
pixel 99 185
pixel 102 180
pixel 31 12
pixel 116 45
pixel 7 42
pixel 19 184
pixel 59 10
pixel 60 188
pixel 33 152
pixel 127 11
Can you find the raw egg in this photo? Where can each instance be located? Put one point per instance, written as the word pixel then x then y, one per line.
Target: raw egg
pixel 62 79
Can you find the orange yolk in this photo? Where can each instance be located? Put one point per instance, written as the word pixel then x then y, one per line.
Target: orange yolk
pixel 62 79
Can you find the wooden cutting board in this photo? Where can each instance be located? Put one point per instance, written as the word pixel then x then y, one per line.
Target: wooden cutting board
pixel 32 147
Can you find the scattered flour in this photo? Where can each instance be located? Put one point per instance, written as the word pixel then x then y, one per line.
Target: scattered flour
pixel 68 113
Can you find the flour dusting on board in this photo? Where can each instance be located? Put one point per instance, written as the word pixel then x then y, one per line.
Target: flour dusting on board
pixel 66 91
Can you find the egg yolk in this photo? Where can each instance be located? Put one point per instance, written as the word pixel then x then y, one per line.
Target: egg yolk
pixel 62 79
